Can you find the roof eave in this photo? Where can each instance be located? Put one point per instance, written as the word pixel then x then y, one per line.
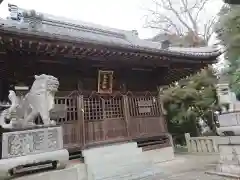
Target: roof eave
pixel 68 39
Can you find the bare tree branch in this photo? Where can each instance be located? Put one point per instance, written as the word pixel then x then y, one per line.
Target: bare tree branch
pixel 162 22
pixel 181 17
pixel 201 7
pixel 194 23
pixel 208 30
pixel 170 5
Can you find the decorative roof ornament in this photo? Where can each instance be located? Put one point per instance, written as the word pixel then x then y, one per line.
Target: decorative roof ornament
pixel 15 14
pixel 33 18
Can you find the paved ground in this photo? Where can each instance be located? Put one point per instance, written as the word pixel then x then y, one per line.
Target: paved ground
pixel 189 167
pixel 183 167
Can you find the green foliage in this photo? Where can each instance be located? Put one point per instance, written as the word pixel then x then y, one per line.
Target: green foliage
pixel 228 32
pixel 190 100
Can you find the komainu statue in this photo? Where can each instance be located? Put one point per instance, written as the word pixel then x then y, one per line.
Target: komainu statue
pixel 38 101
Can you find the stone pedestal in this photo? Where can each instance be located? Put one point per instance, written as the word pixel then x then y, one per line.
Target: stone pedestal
pixel 229 160
pixel 118 161
pixel 71 172
pixel 31 149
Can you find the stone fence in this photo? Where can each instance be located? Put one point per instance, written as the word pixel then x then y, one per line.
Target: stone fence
pixel 207 144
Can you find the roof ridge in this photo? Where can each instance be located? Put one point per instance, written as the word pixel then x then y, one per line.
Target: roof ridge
pixel 71 23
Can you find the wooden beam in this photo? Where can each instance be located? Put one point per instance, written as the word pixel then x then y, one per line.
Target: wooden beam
pixel 116 51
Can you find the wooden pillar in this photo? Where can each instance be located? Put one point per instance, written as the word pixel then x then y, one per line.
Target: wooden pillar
pixel 81 122
pixel 126 113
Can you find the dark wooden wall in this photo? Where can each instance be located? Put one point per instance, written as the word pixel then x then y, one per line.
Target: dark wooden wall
pixel 91 117
pixel 80 74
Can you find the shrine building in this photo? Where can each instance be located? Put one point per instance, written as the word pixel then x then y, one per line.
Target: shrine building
pixel 110 79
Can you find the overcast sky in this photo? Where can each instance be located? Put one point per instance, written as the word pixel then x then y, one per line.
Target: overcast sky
pixel 121 14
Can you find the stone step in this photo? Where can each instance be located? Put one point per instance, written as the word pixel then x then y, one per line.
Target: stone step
pixel 129 176
pixel 126 174
pixel 122 170
pixel 114 153
pixel 116 168
pixel 113 165
pixel 123 175
pixel 114 158
pixel 118 162
pixel 119 153
pixel 110 149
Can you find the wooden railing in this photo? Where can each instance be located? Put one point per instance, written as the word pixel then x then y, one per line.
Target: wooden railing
pixel 202 144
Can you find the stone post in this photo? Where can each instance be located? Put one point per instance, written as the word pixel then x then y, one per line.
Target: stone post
pixel 187 138
pixel 170 139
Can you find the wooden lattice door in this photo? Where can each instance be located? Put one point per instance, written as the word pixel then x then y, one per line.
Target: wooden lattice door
pixel 104 118
pixel 71 121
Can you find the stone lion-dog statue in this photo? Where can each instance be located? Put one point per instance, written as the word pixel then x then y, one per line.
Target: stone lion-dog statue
pixel 38 101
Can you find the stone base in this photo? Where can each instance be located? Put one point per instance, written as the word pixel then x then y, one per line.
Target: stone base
pixel 113 162
pixel 71 172
pixel 229 160
pixel 60 156
pixel 119 161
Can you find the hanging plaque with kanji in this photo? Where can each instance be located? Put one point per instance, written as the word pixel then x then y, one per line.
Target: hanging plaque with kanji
pixel 105 79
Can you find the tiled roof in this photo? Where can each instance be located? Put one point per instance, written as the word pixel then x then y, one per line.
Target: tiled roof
pixel 63 28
